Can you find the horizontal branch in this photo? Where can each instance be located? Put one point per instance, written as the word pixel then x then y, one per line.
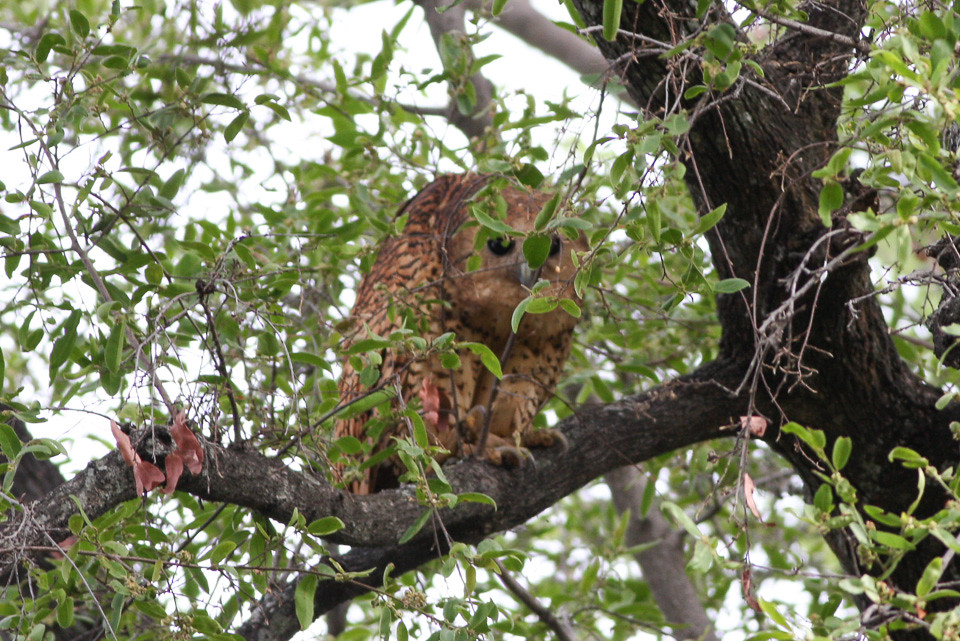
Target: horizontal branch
pixel 668 417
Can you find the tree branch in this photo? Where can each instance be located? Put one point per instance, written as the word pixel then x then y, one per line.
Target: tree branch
pixel 671 416
pixel 446 18
pixel 535 29
pixel 559 625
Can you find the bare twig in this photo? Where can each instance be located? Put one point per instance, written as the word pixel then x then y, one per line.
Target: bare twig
pixel 560 626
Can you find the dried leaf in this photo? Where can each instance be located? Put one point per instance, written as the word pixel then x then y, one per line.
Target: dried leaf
pixel 174 467
pixel 748 489
pixel 755 425
pixel 746 585
pixel 123 443
pixel 147 475
pixel 430 398
pixel 188 446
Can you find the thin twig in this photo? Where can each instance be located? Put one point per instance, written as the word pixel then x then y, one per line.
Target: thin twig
pixel 563 629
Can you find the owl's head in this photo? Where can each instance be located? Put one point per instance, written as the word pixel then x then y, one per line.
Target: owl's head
pixel 485 267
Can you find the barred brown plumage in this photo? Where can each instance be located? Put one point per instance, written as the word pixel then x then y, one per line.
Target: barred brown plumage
pixel 421 280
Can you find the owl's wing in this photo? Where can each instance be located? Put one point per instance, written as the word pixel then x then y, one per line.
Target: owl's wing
pixel 400 290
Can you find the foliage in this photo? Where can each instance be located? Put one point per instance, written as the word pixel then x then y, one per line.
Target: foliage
pixel 191 192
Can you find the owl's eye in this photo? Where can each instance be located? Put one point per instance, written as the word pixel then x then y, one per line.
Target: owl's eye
pixel 555 246
pixel 500 246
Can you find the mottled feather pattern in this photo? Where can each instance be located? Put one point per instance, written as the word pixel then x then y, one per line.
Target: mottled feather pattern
pixel 424 272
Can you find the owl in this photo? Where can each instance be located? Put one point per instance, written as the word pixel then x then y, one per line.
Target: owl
pixel 439 278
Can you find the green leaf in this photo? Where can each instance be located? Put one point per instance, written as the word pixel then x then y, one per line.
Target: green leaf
pixel 487 357
pixel 937 173
pixel 172 185
pixel 325 526
pixel 730 285
pixel 681 518
pixel 543 305
pixel 909 457
pixel 476 497
pixel 546 214
pixel 10 444
pixel 891 540
pixel 52 176
pixel 47 42
pixel 931 575
pixel 611 18
pixel 831 199
pixel 303 597
pixel 280 110
pixel 841 452
pixel 708 220
pixel 492 223
pixel 536 249
pixel 823 499
pixel 222 99
pixel 235 126
pixel 66 608
pixel 365 403
pixel 419 429
pixel 23 333
pixel 79 23
pixel 348 445
pixel 113 350
pixel 416 527
pixel 221 550
pixel 570 307
pixel 518 313
pixel 813 438
pixel 64 344
pixel 498 6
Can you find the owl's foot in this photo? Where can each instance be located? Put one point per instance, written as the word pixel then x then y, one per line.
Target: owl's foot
pixel 507 455
pixel 546 437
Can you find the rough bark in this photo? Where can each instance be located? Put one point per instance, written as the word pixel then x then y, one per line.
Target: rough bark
pixel 601 439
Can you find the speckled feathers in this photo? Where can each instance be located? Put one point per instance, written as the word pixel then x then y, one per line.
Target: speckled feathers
pixel 423 278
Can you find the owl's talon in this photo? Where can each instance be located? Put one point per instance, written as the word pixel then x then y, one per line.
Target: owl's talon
pixel 508 456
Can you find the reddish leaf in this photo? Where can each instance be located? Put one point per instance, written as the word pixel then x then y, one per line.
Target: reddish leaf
pixel 147 475
pixel 748 489
pixel 755 425
pixel 746 585
pixel 430 398
pixel 188 446
pixel 123 443
pixel 63 545
pixel 174 467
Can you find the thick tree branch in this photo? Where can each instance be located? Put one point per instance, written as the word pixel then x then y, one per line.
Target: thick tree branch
pixel 810 358
pixel 535 29
pixel 446 19
pixel 664 419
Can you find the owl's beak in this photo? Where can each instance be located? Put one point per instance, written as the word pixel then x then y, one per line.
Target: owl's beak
pixel 528 275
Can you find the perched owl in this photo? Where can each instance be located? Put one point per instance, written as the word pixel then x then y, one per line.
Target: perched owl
pixel 429 280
